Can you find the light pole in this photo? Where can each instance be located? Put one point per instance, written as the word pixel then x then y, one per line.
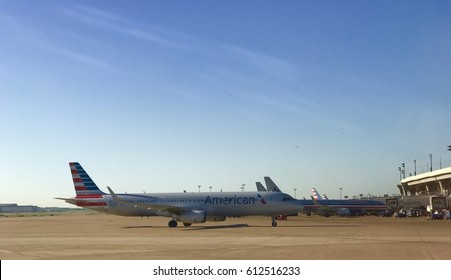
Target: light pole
pixel 199 188
pixel 295 193
pixel 403 165
pixel 210 188
pixel 400 173
pixel 415 163
pixel 430 156
pixel 340 192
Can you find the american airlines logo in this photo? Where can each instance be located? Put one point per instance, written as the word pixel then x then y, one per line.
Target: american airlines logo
pixel 230 200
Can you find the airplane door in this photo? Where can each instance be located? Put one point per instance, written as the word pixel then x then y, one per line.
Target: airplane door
pixel 272 200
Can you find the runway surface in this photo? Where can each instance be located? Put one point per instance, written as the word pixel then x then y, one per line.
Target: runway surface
pixel 99 236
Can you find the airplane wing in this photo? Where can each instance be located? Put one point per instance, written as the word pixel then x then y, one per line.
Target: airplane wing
pixel 151 206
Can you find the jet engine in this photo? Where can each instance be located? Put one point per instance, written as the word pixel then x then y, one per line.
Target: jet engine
pixel 191 217
pixel 343 212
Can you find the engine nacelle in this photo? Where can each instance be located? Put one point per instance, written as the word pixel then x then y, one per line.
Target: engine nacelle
pixel 191 217
pixel 343 212
pixel 216 218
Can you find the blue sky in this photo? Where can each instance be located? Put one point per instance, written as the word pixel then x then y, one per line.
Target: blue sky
pixel 162 96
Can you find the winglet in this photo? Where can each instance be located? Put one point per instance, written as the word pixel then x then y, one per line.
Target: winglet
pixel 115 197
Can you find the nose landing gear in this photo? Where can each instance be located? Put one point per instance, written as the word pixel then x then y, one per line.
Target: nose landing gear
pixel 274 223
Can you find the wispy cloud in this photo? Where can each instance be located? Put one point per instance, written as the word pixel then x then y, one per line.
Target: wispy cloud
pixel 268 64
pixel 116 23
pixel 260 63
pixel 35 37
pixel 164 37
pixel 82 58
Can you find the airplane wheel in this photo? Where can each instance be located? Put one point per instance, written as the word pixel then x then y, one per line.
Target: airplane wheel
pixel 274 224
pixel 187 224
pixel 172 223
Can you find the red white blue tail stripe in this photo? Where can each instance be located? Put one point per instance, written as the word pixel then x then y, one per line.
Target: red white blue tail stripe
pixel 316 195
pixel 84 185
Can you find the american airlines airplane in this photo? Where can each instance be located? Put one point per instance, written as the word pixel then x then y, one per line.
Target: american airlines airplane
pixel 187 208
pixel 327 207
pixel 343 207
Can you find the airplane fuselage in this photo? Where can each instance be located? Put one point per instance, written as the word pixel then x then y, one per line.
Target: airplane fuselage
pixel 355 206
pixel 221 204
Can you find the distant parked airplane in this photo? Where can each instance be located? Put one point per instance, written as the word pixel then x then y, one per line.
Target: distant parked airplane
pixel 343 207
pixel 187 208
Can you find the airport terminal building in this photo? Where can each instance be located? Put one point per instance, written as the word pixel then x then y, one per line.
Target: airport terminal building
pixel 431 183
pixel 14 208
pixel 430 189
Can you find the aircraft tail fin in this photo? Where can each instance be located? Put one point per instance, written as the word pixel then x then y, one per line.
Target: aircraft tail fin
pixel 316 195
pixel 84 185
pixel 271 185
pixel 260 187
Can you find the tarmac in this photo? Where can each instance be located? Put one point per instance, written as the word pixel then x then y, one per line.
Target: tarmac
pixel 109 237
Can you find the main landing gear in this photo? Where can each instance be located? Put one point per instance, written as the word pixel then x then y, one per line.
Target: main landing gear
pixel 173 223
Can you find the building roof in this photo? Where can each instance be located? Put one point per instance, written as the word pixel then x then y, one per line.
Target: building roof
pixel 437 175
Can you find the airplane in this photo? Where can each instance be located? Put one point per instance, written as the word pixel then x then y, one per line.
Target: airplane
pixel 342 207
pixel 317 196
pixel 187 208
